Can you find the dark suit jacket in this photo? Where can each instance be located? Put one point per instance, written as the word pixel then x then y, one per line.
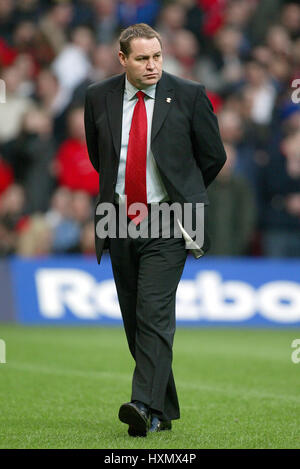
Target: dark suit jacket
pixel 185 138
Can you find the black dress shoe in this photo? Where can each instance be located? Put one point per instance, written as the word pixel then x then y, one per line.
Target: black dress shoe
pixel 158 425
pixel 137 416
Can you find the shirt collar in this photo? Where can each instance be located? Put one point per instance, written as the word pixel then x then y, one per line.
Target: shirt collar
pixel 132 90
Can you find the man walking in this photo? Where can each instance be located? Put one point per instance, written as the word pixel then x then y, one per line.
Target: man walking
pixel 153 138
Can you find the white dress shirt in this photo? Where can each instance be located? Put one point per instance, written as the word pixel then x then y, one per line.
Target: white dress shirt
pixel 156 191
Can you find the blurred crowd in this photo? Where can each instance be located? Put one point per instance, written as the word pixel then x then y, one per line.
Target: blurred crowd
pixel 245 52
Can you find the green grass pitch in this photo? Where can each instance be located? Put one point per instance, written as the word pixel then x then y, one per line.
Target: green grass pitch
pixel 62 387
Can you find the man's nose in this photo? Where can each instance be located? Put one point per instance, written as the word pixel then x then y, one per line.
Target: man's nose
pixel 150 64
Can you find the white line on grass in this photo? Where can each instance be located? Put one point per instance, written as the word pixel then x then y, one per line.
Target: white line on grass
pixel 229 391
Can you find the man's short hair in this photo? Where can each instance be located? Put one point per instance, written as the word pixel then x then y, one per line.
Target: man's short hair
pixel 135 31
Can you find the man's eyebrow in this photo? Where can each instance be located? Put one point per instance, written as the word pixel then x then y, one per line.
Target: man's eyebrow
pixel 146 56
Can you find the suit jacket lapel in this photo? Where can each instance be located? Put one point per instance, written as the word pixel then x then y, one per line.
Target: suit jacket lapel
pixel 114 104
pixel 161 106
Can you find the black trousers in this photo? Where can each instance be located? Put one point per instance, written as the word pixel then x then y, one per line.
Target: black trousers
pixel 147 273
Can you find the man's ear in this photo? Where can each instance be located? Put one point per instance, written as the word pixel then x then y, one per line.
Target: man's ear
pixel 122 58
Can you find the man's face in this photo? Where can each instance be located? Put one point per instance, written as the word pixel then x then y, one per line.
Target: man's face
pixel 143 66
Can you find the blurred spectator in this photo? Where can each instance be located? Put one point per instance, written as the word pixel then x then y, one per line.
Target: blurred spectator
pixel 279 191
pixel 105 62
pixel 69 213
pixel 290 19
pixel 27 10
pixel 29 39
pixel 24 37
pixel 81 207
pixel 26 70
pixel 231 218
pixel 36 239
pixel 12 219
pixel 73 166
pixel 6 19
pixel 12 112
pixel 54 101
pixel 265 14
pixel 259 96
pixel 237 13
pixel 279 41
pixel 106 23
pixel 60 206
pixel 262 91
pixel 65 230
pixel 31 155
pixel 194 20
pixel 137 11
pixel 55 22
pixel 12 202
pixel 233 132
pixel 172 19
pixel 83 13
pixel 72 65
pixel 222 69
pixel 185 52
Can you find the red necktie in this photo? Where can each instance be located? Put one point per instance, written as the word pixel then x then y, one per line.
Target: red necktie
pixel 135 175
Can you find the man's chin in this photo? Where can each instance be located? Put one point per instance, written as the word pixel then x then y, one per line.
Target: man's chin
pixel 149 81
